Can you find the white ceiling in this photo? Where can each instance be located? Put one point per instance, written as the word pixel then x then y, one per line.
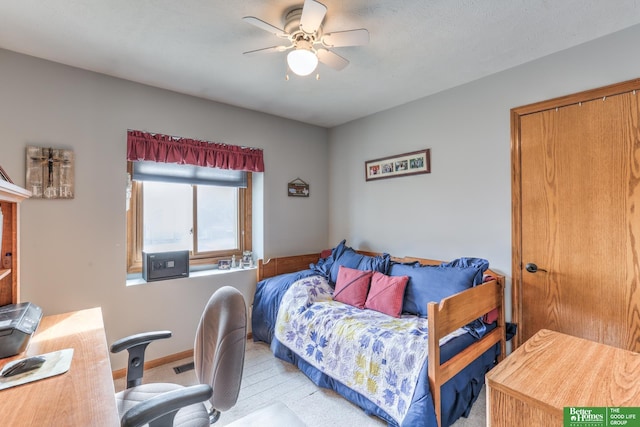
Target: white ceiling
pixel 417 47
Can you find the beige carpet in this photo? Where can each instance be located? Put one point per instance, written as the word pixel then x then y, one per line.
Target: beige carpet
pixel 267 381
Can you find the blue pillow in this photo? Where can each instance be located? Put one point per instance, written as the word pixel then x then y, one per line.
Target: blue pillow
pixel 480 263
pixel 323 266
pixel 352 259
pixel 429 283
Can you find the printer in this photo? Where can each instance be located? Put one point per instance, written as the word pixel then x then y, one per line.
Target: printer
pixel 18 322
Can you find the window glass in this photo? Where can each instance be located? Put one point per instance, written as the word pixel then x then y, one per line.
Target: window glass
pixel 212 220
pixel 217 218
pixel 167 217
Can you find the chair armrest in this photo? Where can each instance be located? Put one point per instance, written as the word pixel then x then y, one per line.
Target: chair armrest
pixel 160 410
pixel 138 339
pixel 136 346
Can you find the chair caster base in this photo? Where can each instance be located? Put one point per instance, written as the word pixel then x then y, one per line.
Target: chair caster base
pixel 214 415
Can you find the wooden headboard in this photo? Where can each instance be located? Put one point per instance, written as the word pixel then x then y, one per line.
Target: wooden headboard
pixel 289 264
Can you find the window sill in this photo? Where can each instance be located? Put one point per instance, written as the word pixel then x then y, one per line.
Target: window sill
pixel 134 280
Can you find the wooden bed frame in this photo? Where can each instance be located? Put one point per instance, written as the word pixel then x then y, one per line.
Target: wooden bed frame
pixel 443 318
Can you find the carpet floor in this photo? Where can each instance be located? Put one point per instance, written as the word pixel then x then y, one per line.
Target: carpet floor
pixel 267 381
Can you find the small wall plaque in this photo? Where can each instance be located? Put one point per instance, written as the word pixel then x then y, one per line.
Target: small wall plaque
pixel 298 188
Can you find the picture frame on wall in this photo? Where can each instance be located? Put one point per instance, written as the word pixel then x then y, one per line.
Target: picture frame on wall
pixel 413 163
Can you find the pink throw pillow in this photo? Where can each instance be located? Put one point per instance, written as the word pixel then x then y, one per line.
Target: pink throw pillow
pixel 386 294
pixel 352 286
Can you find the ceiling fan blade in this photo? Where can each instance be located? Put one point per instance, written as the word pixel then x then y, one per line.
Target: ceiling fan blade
pixel 272 49
pixel 359 37
pixel 265 26
pixel 313 13
pixel 331 59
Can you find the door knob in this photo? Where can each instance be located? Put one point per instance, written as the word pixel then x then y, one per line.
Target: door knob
pixel 532 268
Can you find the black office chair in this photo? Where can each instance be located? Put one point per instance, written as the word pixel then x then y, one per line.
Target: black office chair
pixel 218 358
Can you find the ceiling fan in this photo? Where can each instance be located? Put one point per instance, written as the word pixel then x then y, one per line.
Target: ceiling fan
pixel 308 43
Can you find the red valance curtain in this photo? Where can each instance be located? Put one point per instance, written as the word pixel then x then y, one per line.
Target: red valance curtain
pixel 143 146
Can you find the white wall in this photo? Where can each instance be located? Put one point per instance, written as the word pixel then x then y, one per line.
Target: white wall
pixel 73 251
pixel 463 208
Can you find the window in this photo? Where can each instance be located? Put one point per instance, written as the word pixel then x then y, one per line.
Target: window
pixel 212 221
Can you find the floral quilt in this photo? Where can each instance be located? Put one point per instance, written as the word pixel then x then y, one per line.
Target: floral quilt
pixel 374 354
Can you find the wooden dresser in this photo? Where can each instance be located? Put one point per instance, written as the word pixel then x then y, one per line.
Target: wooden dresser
pixel 10 198
pixel 82 396
pixel 551 371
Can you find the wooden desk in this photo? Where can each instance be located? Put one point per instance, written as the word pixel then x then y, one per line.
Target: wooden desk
pixel 552 371
pixel 83 396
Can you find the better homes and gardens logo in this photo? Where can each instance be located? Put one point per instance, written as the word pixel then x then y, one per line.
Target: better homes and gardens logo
pixel 601 417
pixel 583 417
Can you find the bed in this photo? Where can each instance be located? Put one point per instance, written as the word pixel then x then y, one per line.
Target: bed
pixel 452 375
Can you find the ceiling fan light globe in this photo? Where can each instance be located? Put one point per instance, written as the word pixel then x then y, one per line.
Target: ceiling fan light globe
pixel 302 61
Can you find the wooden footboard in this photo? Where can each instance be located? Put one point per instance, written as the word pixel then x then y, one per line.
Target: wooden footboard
pixel 443 318
pixel 454 312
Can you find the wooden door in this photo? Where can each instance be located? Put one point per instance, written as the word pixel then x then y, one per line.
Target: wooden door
pixel 576 214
